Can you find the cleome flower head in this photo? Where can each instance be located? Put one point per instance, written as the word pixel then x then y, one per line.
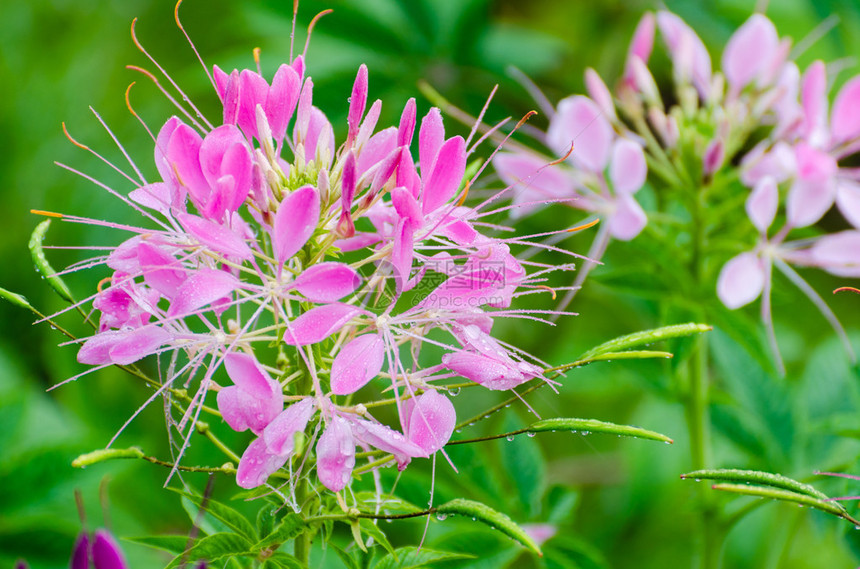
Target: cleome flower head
pixel 296 277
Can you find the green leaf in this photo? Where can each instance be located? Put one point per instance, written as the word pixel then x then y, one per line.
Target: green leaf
pixel 225 514
pixel 15 298
pixel 291 526
pixel 213 548
pixel 173 543
pixel 410 557
pixel 266 519
pixel 586 426
pixel 285 561
pixel 787 496
pixel 41 262
pixel 756 477
pixel 346 558
pixel 645 337
pixel 485 514
pixel 104 454
pixel 367 526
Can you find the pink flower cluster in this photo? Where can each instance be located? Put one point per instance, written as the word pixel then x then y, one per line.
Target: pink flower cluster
pixel 301 267
pixel 608 138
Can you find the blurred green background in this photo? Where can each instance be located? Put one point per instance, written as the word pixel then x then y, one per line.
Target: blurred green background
pixel 616 503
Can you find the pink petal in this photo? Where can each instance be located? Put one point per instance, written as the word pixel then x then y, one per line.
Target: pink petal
pixel 155 196
pixel 216 237
pixel 357 102
pixel 490 373
pixel 281 100
pixel 845 122
pixel 430 420
pixel 377 149
pixel 643 38
pixel 839 253
pixel 599 93
pixel 407 124
pixel 848 200
pixel 295 222
pixel 160 270
pixel 402 253
pixel 814 190
pixel 749 51
pixel 242 410
pixel 778 162
pixel 814 97
pixel 336 455
pixel 257 464
pixel 319 142
pixel 357 363
pixel 96 350
pixel 407 207
pixel 280 433
pixel 182 154
pixel 627 168
pixel 368 125
pixel 253 90
pixel 580 121
pixel 431 135
pixel 327 282
pixel 165 169
pixel 303 112
pixel 628 220
pixel 137 344
pixel 762 203
pixel 687 51
pixel 407 175
pixel 203 287
pixel 221 80
pixel 448 170
pixel 386 440
pixel 318 323
pixel 247 374
pixel 106 552
pixel 715 153
pixel 741 280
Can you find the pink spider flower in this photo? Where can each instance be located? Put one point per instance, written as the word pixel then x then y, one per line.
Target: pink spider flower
pixel 748 275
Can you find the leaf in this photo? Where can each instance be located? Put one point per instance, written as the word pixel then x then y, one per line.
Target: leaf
pixel 285 561
pixel 41 262
pixel 213 548
pixel 645 337
pixel 756 477
pixel 410 557
pixel 483 513
pixel 15 298
pixel 346 558
pixel 367 526
pixel 291 526
pixel 586 426
pixel 266 519
pixel 788 496
pixel 173 543
pixel 225 514
pixel 104 454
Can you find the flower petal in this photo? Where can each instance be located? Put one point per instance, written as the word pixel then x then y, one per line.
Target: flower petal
pixel 430 420
pixel 216 237
pixel 741 280
pixel 357 363
pixel 448 170
pixel 280 433
pixel 579 121
pixel 257 464
pixel 628 219
pixel 839 253
pixel 814 189
pixel 386 440
pixel 106 552
pixel 295 222
pixel 318 323
pixel 762 203
pixel 431 135
pixel 336 455
pixel 845 121
pixel 327 282
pixel 201 288
pixel 749 51
pixel 627 168
pixel 848 200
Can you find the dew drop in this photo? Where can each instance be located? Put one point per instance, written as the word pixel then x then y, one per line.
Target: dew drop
pixel 698 479
pixel 667 442
pixel 586 433
pixel 530 434
pixel 509 438
pixel 441 517
pixel 454 391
